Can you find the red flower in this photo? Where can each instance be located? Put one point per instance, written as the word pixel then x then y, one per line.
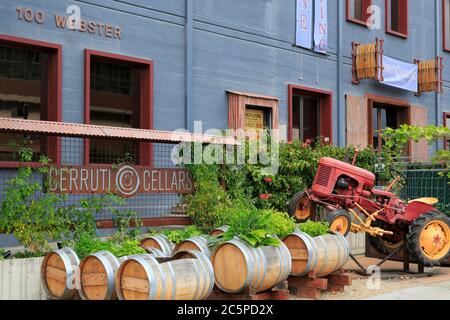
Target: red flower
pixel 264 196
pixel 268 179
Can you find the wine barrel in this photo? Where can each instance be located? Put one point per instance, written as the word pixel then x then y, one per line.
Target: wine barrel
pixel 238 266
pixel 160 242
pixel 97 273
pixel 143 278
pixel 322 255
pixel 218 231
pixel 197 243
pixel 58 274
pixel 155 252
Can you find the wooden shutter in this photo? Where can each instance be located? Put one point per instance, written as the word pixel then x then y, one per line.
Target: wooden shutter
pixel 419 150
pixel 430 75
pixel 357 121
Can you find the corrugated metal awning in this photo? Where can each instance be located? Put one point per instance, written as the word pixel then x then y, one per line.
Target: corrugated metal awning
pixel 13 125
pixel 252 95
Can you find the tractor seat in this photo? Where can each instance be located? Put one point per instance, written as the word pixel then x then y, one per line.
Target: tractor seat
pixel 383 193
pixel 425 200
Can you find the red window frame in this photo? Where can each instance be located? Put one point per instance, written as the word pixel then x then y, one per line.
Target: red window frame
pixel 53 87
pixel 446 142
pixel 325 105
pixel 146 97
pixel 365 4
pixel 403 19
pixel 445 25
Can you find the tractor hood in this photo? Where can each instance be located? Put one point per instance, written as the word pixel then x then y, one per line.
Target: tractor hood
pixel 369 177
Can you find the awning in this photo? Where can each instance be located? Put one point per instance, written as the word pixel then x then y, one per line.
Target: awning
pixel 13 125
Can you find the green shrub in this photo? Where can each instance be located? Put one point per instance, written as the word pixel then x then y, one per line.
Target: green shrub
pixel 178 236
pixel 31 218
pixel 279 223
pixel 315 229
pixel 87 245
pixel 298 166
pixel 252 226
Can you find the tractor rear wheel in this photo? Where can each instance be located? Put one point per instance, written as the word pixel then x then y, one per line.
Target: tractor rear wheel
pixel 301 207
pixel 429 238
pixel 340 221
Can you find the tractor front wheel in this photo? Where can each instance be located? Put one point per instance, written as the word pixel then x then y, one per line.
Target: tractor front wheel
pixel 429 238
pixel 301 207
pixel 340 221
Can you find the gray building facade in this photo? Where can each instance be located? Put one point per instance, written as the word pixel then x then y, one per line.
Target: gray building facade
pixel 203 49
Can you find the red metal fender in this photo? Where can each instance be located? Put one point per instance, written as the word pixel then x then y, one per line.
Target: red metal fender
pixel 416 209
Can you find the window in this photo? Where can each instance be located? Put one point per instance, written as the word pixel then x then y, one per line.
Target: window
pixel 306 118
pixel 310 114
pixel 357 11
pixel 447 124
pixel 30 87
pixel 252 111
pixel 386 116
pixel 119 94
pixel 446 24
pixel 258 118
pixel 397 17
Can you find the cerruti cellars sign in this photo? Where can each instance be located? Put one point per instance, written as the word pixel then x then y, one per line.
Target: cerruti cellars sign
pixel 125 180
pixel 71 22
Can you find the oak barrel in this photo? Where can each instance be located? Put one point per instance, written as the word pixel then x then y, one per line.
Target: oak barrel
pixel 238 266
pixel 160 242
pixel 197 243
pixel 155 252
pixel 97 272
pixel 218 231
pixel 58 273
pixel 143 278
pixel 321 255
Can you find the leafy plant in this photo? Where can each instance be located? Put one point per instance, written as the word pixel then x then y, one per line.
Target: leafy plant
pixel 297 168
pixel 251 226
pixel 315 229
pixel 206 205
pixel 444 208
pixel 87 245
pixel 122 221
pixel 178 236
pixel 396 141
pixel 31 215
pixel 279 223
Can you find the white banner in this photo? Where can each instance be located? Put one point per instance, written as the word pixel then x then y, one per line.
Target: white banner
pixel 304 23
pixel 321 26
pixel 400 74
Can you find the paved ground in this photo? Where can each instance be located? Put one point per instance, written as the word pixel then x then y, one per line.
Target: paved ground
pixel 395 286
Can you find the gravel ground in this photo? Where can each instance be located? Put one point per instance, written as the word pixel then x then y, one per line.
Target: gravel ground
pixel 363 289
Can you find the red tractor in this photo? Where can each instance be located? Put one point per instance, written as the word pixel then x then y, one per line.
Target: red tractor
pixel 344 195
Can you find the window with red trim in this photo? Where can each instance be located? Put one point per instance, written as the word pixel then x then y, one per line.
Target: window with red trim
pixel 30 87
pixel 310 114
pixel 118 94
pixel 446 24
pixel 357 11
pixel 397 17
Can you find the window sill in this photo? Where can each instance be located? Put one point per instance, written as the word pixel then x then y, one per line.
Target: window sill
pixel 358 22
pixel 397 34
